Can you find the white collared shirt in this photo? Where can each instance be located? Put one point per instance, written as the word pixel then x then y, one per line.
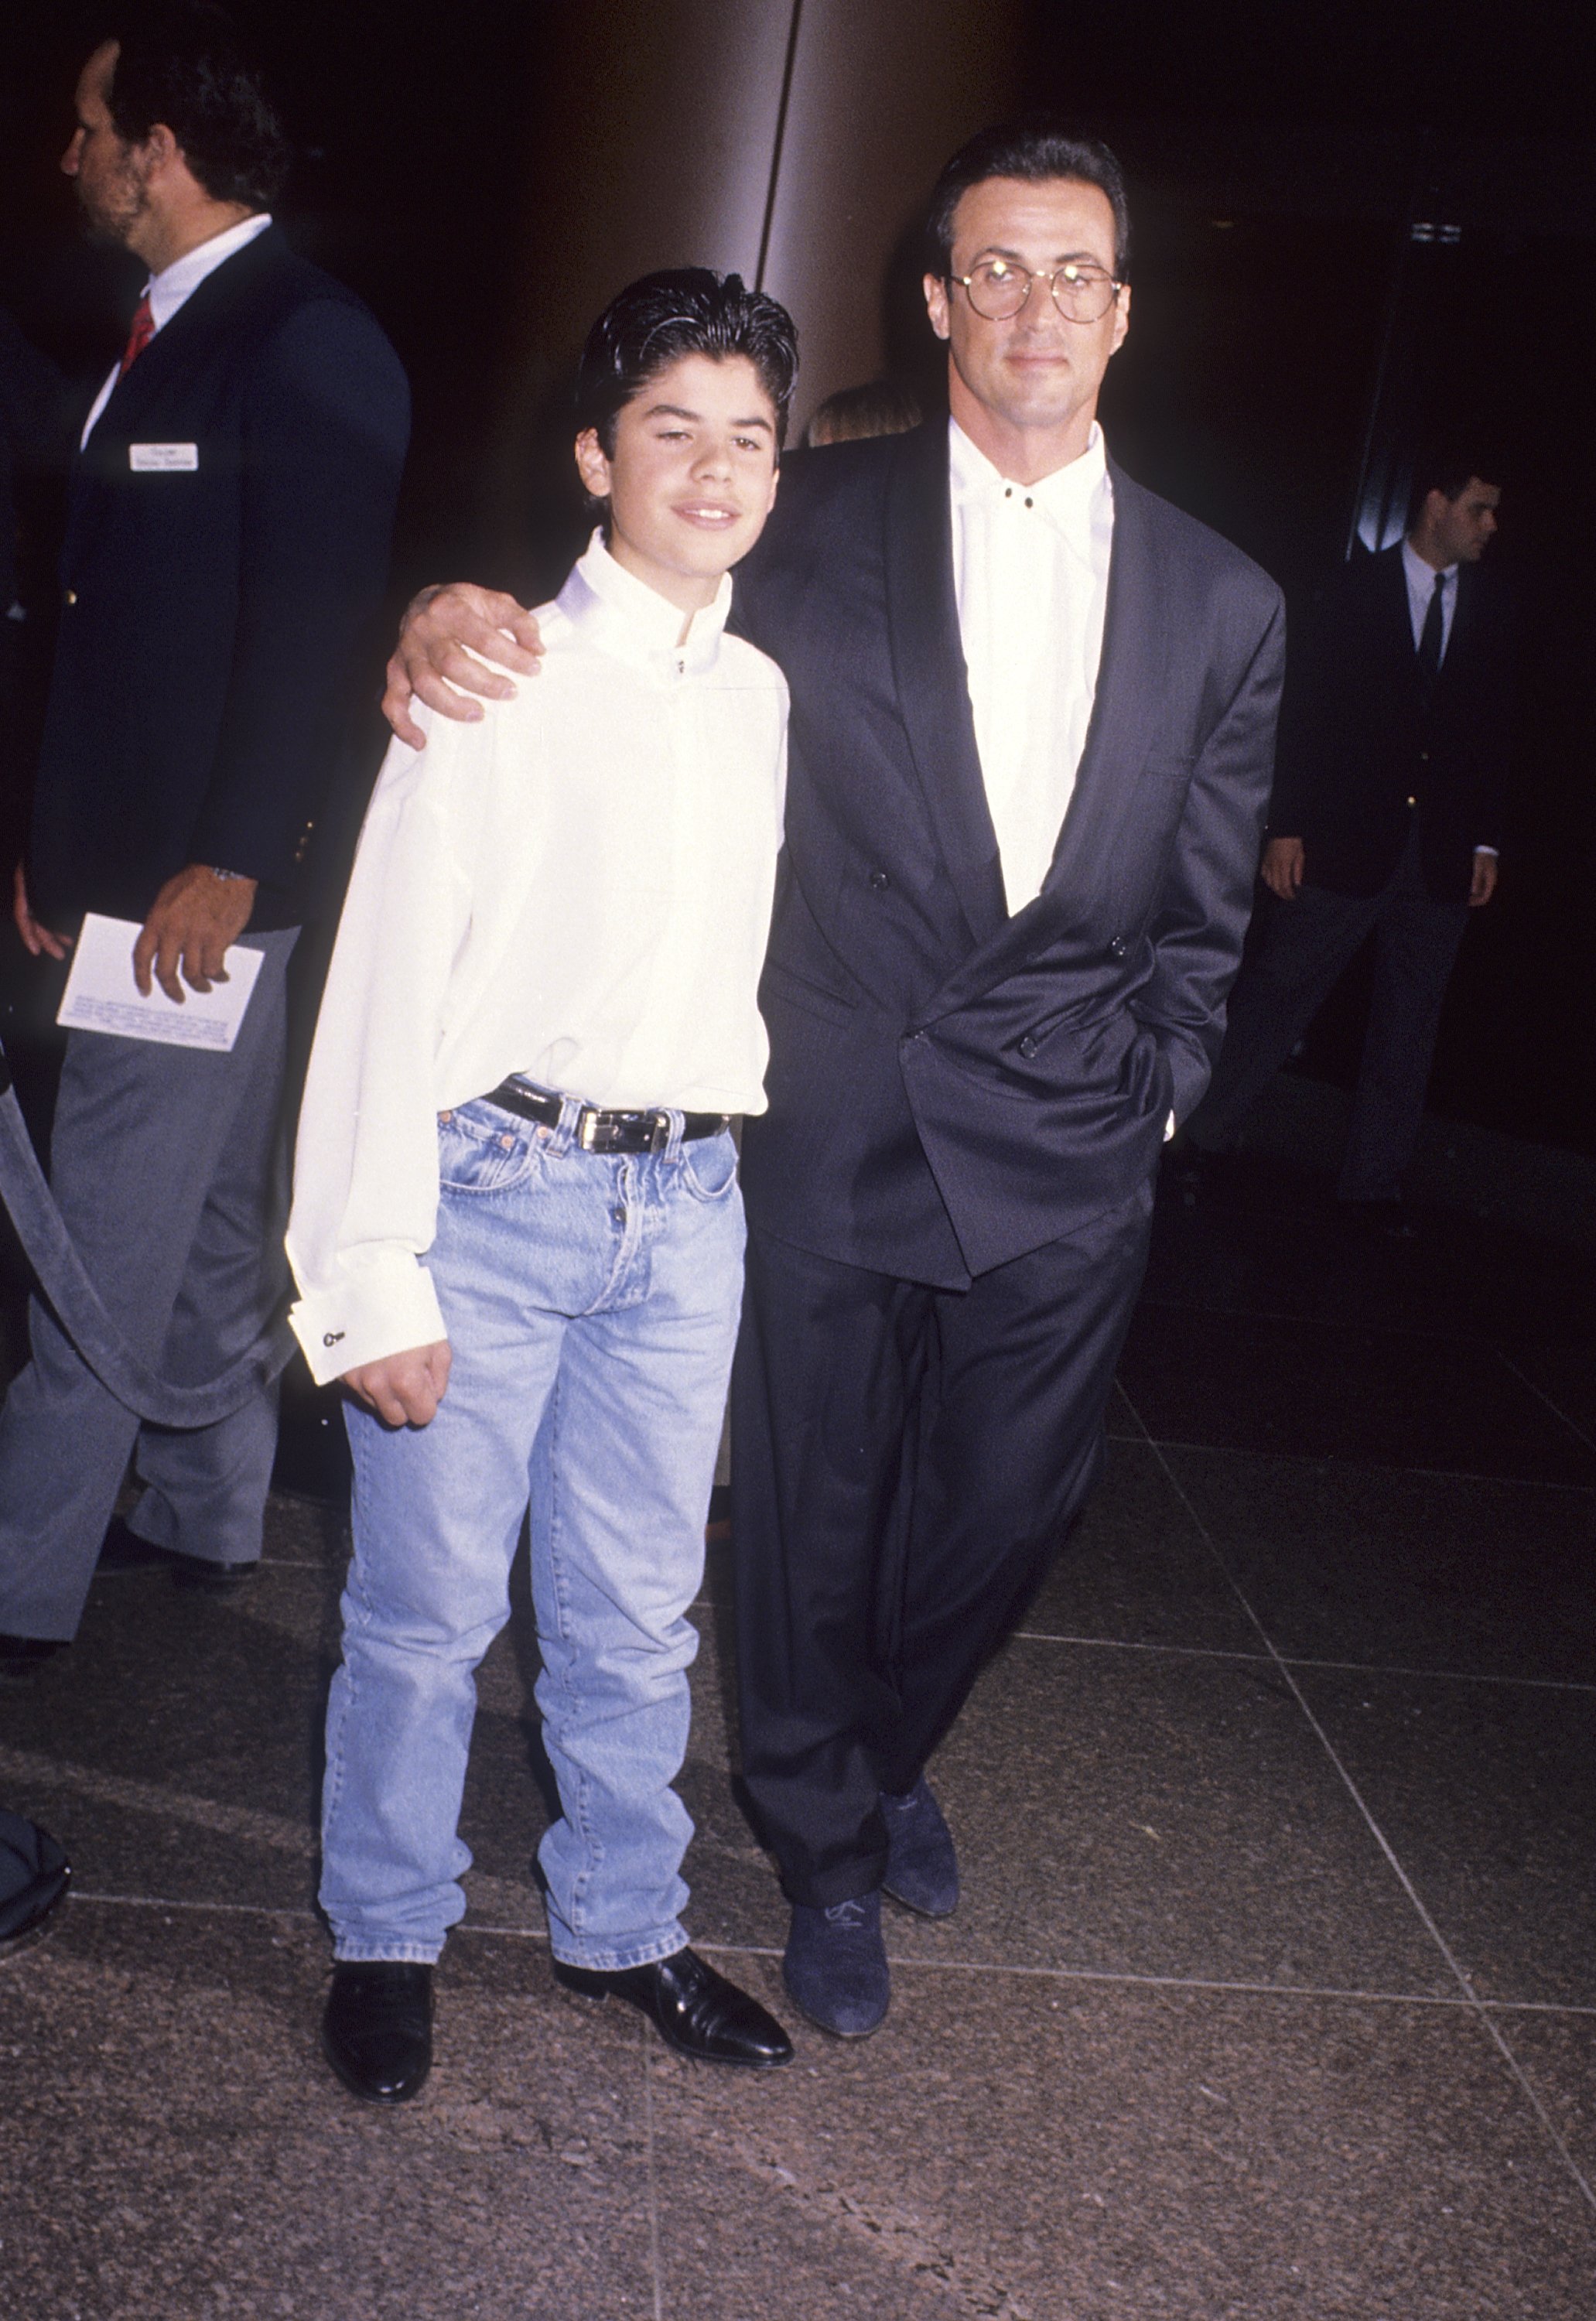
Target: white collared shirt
pixel 578 888
pixel 1422 579
pixel 1031 575
pixel 173 288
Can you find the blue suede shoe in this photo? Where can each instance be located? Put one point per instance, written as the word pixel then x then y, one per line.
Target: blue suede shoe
pixel 922 1868
pixel 835 1966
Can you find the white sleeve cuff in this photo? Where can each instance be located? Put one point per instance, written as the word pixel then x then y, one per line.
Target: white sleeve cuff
pixel 380 1308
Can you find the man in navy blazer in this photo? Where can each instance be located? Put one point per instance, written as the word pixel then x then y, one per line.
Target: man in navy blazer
pixel 1386 821
pixel 227 548
pixel 1031 736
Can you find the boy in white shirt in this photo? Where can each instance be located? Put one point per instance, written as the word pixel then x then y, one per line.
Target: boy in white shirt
pixel 517 1226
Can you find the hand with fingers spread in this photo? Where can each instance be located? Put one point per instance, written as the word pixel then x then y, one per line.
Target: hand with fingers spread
pixel 446 635
pixel 403 1389
pixel 37 936
pixel 191 923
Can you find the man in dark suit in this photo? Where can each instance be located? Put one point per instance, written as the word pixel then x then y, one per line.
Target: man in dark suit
pixel 227 548
pixel 1032 729
pixel 1386 821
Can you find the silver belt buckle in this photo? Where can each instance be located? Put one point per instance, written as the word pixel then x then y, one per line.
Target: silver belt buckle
pixel 587 1129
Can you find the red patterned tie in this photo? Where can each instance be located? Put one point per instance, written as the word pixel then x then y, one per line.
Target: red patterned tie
pixel 138 337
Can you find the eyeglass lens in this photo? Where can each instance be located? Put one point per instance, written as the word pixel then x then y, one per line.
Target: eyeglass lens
pixel 998 288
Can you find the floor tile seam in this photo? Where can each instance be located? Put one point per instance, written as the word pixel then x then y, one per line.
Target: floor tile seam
pixel 910 1963
pixel 1361 1467
pixel 1573 1426
pixel 1485 2020
pixel 651 2174
pixel 1475 1338
pixel 1301 1659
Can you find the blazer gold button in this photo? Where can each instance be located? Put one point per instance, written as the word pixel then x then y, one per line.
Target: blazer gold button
pixel 68 596
pixel 1413 801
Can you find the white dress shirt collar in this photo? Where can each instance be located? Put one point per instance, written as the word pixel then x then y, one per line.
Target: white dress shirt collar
pixel 627 617
pixel 1068 498
pixel 175 284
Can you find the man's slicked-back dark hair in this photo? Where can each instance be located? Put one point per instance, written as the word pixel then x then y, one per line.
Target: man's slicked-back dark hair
pixel 687 311
pixel 1032 150
pixel 184 63
pixel 1446 460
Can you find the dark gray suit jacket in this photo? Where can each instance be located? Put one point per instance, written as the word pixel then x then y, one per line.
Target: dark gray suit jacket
pixel 216 614
pixel 950 1087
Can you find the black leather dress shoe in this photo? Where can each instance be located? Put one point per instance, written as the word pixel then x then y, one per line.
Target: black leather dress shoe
pixel 34 1876
pixel 696 2010
pixel 123 1549
pixel 376 2032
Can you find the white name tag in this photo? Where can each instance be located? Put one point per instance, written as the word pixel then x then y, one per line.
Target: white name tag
pixel 161 459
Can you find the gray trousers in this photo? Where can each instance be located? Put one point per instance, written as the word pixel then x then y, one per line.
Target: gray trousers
pixel 170 1167
pixel 1302 948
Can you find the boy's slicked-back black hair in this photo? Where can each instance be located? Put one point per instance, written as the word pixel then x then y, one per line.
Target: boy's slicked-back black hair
pixel 183 63
pixel 686 311
pixel 1032 150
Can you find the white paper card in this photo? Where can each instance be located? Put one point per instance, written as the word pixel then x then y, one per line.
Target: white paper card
pixel 101 995
pixel 161 459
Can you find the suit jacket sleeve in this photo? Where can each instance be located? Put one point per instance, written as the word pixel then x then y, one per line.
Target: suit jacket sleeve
pixel 1206 897
pixel 326 434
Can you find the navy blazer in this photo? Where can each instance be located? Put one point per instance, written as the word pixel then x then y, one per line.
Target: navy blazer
pixel 951 1086
pixel 213 613
pixel 1358 757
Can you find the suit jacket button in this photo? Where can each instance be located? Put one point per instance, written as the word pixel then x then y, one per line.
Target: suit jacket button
pixel 1028 1047
pixel 879 881
pixel 1413 801
pixel 68 596
pixel 1117 946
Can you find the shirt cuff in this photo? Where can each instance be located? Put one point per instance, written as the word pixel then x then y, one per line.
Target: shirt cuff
pixel 1488 849
pixel 381 1309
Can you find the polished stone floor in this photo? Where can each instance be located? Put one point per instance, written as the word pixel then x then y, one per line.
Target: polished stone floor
pixel 1273 1988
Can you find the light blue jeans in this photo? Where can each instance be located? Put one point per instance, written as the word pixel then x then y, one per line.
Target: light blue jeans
pixel 591 1303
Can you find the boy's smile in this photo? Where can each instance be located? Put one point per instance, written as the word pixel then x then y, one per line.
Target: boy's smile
pixel 692 477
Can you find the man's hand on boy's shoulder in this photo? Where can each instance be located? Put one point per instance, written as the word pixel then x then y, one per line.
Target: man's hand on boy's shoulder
pixel 434 661
pixel 403 1389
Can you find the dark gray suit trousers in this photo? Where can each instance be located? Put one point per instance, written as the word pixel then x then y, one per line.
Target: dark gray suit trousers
pixel 1301 950
pixel 170 1167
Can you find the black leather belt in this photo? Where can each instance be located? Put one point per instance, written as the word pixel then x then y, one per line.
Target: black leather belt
pixel 605 1131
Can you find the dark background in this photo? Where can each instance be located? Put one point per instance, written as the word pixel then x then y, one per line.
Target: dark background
pixel 1290 335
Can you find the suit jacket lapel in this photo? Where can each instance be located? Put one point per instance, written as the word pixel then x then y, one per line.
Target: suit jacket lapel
pixel 207 312
pixel 928 668
pixel 1129 690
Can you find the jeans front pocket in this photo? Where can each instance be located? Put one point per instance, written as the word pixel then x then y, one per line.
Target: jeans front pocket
pixel 482 1149
pixel 710 1167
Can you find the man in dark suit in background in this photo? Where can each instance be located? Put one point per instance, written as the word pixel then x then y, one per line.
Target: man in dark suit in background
pixel 1032 731
pixel 1386 820
pixel 227 548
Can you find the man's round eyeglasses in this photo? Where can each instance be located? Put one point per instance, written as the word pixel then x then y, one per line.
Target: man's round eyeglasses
pixel 997 287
